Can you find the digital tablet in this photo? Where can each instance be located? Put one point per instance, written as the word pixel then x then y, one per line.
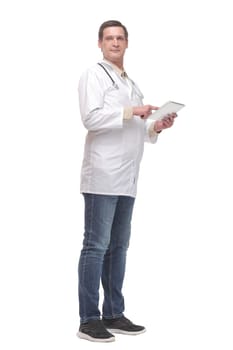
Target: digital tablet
pixel 168 108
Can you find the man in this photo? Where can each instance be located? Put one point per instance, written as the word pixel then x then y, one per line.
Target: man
pixel 113 112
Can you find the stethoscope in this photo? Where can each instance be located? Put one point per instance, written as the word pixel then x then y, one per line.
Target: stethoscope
pixel 115 84
pixel 113 81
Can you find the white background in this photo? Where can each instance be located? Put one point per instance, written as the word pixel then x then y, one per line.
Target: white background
pixel 179 272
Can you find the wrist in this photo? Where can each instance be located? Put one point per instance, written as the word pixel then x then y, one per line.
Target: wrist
pixel 156 129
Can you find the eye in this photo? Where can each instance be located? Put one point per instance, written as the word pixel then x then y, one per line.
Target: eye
pixel 120 38
pixel 109 38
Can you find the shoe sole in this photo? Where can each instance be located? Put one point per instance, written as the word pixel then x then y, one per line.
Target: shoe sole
pixel 121 331
pixel 96 340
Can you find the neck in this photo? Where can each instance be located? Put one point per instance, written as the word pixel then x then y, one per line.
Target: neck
pixel 117 63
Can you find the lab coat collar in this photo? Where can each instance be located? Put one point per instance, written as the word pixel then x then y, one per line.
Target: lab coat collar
pixel 119 71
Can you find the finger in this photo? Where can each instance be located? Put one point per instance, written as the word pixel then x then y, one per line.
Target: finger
pixel 166 119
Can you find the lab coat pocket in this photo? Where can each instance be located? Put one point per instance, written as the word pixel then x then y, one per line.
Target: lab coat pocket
pixel 111 89
pixel 115 96
pixel 107 150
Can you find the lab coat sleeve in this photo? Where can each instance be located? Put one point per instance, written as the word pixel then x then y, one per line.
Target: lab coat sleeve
pixel 148 137
pixel 95 112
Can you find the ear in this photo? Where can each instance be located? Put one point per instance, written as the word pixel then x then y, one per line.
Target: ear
pixel 100 44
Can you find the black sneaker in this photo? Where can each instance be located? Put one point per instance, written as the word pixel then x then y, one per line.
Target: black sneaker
pixel 122 326
pixel 94 330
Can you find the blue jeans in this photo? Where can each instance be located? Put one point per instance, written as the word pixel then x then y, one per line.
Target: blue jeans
pixel 103 256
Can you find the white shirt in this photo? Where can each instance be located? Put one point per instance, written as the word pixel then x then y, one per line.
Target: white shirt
pixel 114 146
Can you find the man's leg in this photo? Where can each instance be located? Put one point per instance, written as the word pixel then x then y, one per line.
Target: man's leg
pixel 99 215
pixel 115 259
pixel 114 270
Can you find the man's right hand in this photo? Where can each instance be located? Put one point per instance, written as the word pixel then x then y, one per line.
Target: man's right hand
pixel 144 111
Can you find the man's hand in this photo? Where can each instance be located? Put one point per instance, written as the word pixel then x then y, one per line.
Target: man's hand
pixel 144 111
pixel 165 123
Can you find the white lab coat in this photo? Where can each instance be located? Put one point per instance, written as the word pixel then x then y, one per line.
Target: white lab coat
pixel 113 147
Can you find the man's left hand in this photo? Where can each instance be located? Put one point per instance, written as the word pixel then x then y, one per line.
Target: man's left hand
pixel 165 123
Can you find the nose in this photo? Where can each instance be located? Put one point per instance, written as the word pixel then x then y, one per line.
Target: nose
pixel 115 41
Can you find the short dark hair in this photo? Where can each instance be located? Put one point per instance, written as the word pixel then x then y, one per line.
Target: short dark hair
pixel 111 23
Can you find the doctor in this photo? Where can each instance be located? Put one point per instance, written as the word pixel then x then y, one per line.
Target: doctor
pixel 112 111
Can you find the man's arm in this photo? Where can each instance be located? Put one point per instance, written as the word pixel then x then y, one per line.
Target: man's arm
pixel 95 113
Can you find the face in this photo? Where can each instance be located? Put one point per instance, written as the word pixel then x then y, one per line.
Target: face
pixel 113 45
